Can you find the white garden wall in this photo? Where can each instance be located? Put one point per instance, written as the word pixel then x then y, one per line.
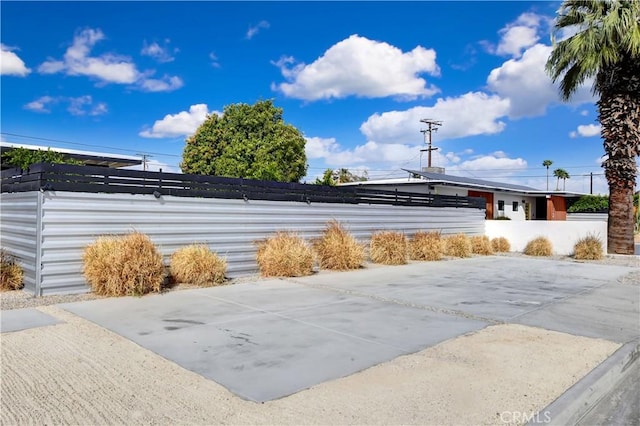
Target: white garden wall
pixel 562 234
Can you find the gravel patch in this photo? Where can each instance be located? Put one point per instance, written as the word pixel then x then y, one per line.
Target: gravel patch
pixel 18 299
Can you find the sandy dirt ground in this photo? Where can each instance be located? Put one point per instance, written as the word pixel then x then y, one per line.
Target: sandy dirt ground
pixel 79 373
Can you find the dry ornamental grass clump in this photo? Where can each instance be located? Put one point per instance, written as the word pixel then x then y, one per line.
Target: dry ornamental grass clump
pixel 389 248
pixel 284 255
pixel 481 244
pixel 540 246
pixel 500 245
pixel 588 248
pixel 127 265
pixel 337 250
pixel 426 246
pixel 11 273
pixel 458 245
pixel 196 264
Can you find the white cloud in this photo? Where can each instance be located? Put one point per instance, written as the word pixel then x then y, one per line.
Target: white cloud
pixel 254 30
pixel 495 162
pixel 387 160
pixel 360 67
pixel 41 104
pixel 161 54
pixel 83 105
pixel 586 131
pixel 214 60
pixel 106 68
pixel 184 123
pixel 330 151
pixel 10 63
pixel 519 35
pixel 528 87
pixel 525 82
pixel 474 113
pixel 165 84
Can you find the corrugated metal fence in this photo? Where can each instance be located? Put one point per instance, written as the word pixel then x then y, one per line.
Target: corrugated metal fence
pixel 51 212
pixel 19 232
pixel 70 221
pixel 590 217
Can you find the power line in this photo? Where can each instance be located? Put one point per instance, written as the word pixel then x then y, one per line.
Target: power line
pixel 85 144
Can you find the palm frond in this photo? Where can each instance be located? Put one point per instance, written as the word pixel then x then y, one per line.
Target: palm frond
pixel 605 31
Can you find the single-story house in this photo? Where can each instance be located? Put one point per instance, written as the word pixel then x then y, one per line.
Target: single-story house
pixel 516 202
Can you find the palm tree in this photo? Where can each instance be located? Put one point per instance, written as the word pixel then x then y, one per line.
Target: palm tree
pixel 606 45
pixel 561 174
pixel 547 163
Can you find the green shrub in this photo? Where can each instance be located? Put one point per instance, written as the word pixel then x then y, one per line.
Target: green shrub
pixel 590 204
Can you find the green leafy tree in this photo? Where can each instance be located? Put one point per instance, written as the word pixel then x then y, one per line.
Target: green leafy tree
pixel 561 174
pixel 547 164
pixel 590 203
pixel 23 157
pixel 334 177
pixel 248 141
pixel 606 45
pixel 327 178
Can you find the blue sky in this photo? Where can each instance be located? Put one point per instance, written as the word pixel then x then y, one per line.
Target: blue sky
pixel 354 77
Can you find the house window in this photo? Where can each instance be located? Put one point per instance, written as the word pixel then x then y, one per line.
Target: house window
pixel 514 206
pixel 501 205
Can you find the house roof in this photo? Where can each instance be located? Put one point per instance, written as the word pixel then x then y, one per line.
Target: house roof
pixel 463 182
pixel 470 182
pixel 87 157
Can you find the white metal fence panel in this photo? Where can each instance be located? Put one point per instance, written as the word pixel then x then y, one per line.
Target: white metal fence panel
pixel 588 217
pixel 19 232
pixel 229 227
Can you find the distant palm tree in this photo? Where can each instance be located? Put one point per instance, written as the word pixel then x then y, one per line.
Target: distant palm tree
pixel 561 174
pixel 547 163
pixel 606 45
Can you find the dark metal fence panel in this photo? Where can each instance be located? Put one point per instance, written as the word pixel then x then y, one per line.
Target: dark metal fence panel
pixel 73 178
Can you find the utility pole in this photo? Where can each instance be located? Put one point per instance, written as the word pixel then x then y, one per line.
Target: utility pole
pixel 432 127
pixel 145 159
pixel 591 186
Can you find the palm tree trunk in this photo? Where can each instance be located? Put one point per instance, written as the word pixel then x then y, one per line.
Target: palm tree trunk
pixel 620 224
pixel 619 115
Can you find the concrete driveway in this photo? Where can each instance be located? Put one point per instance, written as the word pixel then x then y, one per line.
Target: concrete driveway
pixel 272 338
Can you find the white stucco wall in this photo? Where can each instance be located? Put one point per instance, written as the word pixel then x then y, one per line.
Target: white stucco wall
pixel 509 199
pixel 562 234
